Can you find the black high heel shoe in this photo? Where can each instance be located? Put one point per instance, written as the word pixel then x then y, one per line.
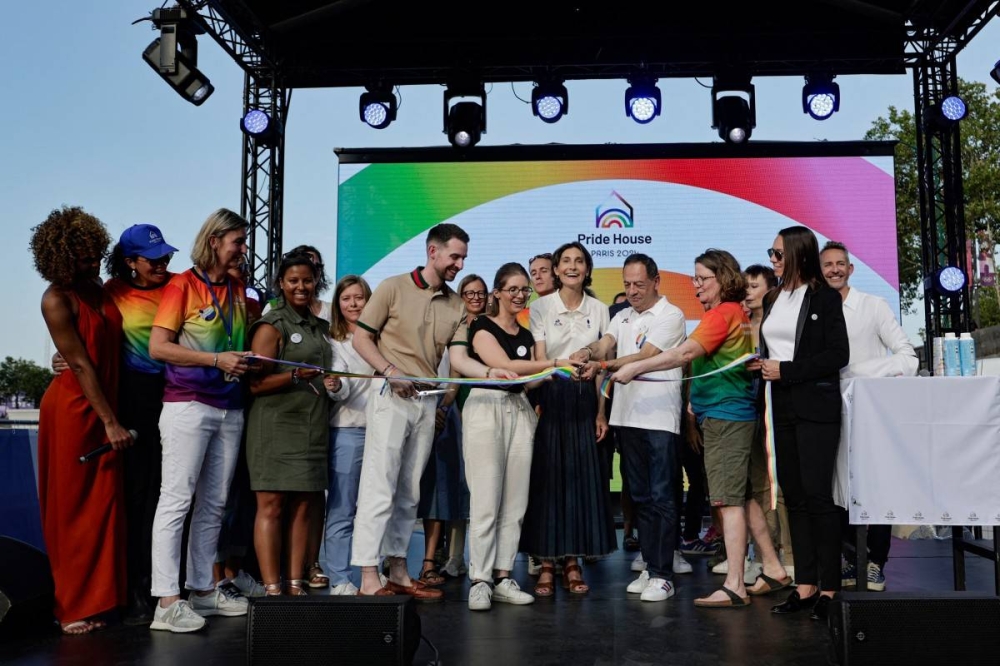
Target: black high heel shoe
pixel 794 603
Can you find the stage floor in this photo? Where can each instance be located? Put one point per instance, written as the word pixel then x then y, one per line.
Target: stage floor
pixel 602 628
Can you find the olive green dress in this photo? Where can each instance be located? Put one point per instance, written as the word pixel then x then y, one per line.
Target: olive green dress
pixel 288 431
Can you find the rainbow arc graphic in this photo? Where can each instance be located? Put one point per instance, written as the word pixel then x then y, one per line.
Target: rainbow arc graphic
pixel 614 212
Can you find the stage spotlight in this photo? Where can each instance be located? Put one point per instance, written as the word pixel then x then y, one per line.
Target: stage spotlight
pixel 948 112
pixel 549 101
pixel 734 110
pixel 820 96
pixel 949 281
pixel 259 125
pixel 465 121
pixel 642 100
pixel 189 83
pixel 996 72
pixel 378 106
pixel 174 55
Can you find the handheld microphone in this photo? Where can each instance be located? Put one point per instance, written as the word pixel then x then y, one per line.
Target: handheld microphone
pixel 101 450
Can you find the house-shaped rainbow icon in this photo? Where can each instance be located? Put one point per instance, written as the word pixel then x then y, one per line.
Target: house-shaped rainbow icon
pixel 614 212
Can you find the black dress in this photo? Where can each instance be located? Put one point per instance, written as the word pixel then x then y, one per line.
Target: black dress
pixel 569 507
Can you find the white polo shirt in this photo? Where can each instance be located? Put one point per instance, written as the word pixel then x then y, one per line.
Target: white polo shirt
pixel 565 331
pixel 649 405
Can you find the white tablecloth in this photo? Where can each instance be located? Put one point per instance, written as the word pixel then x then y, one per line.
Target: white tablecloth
pixel 920 450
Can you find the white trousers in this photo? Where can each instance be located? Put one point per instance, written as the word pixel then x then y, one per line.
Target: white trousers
pixel 200 447
pixel 398 440
pixel 498 430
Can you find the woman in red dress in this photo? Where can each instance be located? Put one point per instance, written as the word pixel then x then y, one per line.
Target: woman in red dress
pixel 83 518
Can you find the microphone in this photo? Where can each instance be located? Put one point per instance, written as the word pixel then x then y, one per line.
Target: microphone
pixel 101 450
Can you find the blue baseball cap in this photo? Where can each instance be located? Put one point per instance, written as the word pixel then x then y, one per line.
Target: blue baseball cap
pixel 144 240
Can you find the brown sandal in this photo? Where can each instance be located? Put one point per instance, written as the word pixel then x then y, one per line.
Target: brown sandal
pixel 549 588
pixel 317 578
pixel 296 587
pixel 574 586
pixel 431 576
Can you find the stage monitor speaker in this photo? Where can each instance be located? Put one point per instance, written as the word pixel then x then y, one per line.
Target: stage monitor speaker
pixel 875 629
pixel 26 589
pixel 328 629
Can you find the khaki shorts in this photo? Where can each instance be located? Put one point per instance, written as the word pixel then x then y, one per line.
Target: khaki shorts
pixel 727 459
pixel 760 485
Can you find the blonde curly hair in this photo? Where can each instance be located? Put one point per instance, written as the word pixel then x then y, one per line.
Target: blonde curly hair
pixel 67 234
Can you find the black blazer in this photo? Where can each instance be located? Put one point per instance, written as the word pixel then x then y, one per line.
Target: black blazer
pixel 812 377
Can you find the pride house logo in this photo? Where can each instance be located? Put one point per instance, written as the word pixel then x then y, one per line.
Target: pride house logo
pixel 615 212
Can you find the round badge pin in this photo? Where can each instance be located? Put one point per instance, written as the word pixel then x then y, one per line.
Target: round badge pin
pixel 815 317
pixel 296 338
pixel 522 351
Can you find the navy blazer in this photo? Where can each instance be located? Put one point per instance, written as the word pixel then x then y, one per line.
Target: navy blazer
pixel 812 377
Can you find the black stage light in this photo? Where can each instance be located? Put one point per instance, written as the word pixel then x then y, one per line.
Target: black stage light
pixel 378 106
pixel 948 112
pixel 465 121
pixel 174 55
pixel 996 72
pixel 820 96
pixel 642 100
pixel 734 111
pixel 549 101
pixel 261 126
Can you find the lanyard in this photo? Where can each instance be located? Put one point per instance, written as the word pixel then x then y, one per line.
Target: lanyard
pixel 227 323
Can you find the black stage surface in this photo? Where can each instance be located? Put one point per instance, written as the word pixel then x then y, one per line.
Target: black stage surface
pixel 602 628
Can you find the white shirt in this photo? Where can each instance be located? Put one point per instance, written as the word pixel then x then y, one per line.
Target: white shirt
pixel 565 331
pixel 350 413
pixel 879 346
pixel 649 405
pixel 779 327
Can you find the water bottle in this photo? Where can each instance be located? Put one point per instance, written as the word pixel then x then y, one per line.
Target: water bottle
pixel 937 356
pixel 952 359
pixel 967 354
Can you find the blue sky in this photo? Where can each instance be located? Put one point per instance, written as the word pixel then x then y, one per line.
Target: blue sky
pixel 89 123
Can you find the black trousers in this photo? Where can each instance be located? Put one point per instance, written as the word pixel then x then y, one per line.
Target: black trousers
pixel 879 539
pixel 696 501
pixel 140 401
pixel 807 455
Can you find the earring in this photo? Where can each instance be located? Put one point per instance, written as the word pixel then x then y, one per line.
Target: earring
pixel 134 274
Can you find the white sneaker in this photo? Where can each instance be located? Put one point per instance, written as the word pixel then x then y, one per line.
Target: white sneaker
pixel 509 592
pixel 479 597
pixel 638 564
pixel 224 600
pixel 657 589
pixel 751 570
pixel 347 589
pixel 639 584
pixel 247 586
pixel 681 566
pixel 721 568
pixel 177 617
pixel 534 566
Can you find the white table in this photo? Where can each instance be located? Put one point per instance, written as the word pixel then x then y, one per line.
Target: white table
pixel 922 451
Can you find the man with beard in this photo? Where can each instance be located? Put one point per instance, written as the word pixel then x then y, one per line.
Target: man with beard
pixel 403 331
pixel 879 348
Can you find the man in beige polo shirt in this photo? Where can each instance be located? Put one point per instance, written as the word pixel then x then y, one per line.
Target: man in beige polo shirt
pixel 406 325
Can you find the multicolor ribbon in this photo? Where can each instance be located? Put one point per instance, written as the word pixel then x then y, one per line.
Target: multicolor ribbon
pixel 566 372
pixel 746 358
pixel 769 450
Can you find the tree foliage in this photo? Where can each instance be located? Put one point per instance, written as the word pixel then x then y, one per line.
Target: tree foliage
pixel 980 132
pixel 23 381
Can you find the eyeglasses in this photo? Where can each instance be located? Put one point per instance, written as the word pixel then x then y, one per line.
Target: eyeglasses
pixel 777 254
pixel 544 255
pixel 162 261
pixel 699 280
pixel 513 291
pixel 474 295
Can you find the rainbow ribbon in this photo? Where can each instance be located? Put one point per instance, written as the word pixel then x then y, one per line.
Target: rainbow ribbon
pixel 746 358
pixel 566 372
pixel 772 458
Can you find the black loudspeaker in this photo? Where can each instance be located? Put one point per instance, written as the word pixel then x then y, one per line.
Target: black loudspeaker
pixel 875 629
pixel 26 588
pixel 327 629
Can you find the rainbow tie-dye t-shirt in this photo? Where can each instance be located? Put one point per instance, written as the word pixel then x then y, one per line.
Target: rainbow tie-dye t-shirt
pixel 187 308
pixel 724 332
pixel 138 307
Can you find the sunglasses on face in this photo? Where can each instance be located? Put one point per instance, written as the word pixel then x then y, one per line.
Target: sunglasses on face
pixel 777 254
pixel 161 261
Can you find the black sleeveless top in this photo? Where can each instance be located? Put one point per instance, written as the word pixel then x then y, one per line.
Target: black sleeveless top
pixel 517 347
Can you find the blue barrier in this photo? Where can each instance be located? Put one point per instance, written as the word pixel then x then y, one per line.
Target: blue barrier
pixel 20 516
